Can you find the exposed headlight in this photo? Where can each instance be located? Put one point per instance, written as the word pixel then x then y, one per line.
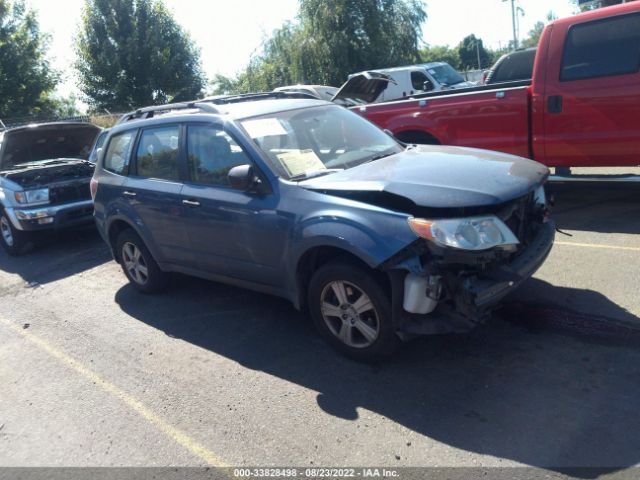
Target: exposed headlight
pixel 472 233
pixel 33 197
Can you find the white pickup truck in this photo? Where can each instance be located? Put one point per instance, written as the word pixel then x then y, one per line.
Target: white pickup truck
pixel 401 82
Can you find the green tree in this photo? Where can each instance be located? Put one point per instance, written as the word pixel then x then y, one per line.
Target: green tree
pixel 26 78
pixel 132 53
pixel 470 49
pixel 441 53
pixel 58 106
pixel 330 40
pixel 536 32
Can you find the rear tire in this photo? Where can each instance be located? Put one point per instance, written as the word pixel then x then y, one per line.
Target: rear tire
pixel 138 264
pixel 352 311
pixel 14 242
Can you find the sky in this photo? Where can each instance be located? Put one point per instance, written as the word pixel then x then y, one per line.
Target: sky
pixel 229 32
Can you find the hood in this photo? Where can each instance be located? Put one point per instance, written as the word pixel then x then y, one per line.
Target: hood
pixel 435 177
pixel 361 88
pixel 47 172
pixel 46 141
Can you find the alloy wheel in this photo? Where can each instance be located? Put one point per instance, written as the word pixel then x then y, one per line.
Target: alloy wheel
pixel 134 263
pixel 349 314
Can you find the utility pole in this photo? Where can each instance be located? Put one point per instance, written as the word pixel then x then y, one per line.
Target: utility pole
pixel 478 53
pixel 513 23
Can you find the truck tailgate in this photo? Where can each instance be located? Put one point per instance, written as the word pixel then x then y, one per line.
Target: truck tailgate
pixel 496 119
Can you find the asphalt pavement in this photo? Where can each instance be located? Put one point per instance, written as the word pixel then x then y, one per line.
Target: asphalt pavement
pixel 95 374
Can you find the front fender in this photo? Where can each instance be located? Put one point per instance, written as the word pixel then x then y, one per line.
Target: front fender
pixel 372 237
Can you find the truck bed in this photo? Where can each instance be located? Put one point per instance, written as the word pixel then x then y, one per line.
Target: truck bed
pixel 491 117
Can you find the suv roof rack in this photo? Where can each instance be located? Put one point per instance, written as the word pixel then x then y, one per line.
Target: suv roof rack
pixel 207 105
pixel 149 112
pixel 248 97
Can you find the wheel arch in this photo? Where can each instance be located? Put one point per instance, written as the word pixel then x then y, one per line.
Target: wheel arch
pixel 314 257
pixel 418 136
pixel 116 226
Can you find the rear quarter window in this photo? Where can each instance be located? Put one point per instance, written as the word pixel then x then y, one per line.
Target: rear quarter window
pixel 116 160
pixel 602 48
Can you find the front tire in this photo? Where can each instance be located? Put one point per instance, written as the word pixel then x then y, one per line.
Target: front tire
pixel 138 264
pixel 352 311
pixel 13 241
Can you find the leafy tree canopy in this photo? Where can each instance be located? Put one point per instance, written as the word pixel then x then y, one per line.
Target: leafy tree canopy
pixel 132 53
pixel 26 79
pixel 536 32
pixel 470 49
pixel 332 39
pixel 441 53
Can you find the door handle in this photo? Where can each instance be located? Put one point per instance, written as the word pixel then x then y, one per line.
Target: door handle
pixel 554 104
pixel 192 203
pixel 129 194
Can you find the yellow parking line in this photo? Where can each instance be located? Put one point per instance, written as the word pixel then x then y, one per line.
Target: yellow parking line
pixel 596 245
pixel 175 434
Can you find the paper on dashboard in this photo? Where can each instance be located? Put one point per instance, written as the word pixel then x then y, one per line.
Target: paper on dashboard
pixel 297 162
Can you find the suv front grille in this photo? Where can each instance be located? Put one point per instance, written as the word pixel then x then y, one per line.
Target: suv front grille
pixel 520 217
pixel 69 193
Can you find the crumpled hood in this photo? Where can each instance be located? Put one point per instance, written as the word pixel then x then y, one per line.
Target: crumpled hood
pixel 438 177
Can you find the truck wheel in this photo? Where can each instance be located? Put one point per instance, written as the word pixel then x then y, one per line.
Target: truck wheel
pixel 138 263
pixel 14 241
pixel 352 311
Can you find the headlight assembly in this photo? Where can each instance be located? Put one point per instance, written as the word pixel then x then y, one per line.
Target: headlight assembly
pixel 472 233
pixel 33 197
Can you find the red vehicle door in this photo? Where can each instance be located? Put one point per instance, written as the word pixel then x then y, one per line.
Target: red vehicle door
pixel 592 91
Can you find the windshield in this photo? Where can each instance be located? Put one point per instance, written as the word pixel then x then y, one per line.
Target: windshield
pixel 319 140
pixel 445 74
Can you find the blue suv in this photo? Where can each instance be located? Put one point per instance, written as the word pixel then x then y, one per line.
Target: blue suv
pixel 303 199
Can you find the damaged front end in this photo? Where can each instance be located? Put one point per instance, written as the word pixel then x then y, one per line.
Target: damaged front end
pixel 437 288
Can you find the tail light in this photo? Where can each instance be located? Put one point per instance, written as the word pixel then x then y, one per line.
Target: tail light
pixel 93 186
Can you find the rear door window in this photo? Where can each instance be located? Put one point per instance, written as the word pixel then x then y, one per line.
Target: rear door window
pixel 116 160
pixel 157 154
pixel 602 48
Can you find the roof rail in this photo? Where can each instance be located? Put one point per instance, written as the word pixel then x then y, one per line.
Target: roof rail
pixel 149 112
pixel 206 105
pixel 248 97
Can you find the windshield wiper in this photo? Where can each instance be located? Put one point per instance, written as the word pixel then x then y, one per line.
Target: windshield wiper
pixel 315 173
pixel 378 157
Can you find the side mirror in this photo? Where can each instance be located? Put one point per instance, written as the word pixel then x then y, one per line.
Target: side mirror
pixel 427 86
pixel 95 155
pixel 241 177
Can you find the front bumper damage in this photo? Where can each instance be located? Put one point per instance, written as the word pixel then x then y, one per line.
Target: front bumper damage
pixel 472 284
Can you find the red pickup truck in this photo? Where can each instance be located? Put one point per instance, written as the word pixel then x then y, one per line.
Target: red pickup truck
pixel 581 107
